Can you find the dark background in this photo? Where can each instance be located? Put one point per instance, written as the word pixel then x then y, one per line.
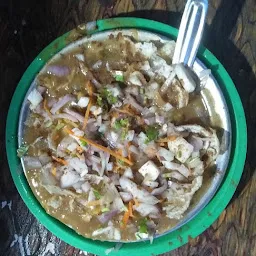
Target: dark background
pixel 27 26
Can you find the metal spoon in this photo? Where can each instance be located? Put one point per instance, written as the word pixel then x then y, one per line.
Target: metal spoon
pixel 190 32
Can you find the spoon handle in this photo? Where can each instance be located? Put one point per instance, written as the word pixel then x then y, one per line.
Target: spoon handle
pixel 190 32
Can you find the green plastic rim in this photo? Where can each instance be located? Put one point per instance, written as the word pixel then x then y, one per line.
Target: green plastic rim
pixel 169 241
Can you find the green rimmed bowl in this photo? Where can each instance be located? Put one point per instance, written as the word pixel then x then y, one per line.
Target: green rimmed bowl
pixel 204 218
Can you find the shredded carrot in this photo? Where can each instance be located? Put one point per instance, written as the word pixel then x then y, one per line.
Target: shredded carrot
pixel 89 88
pixel 128 214
pixel 46 108
pixel 59 160
pixel 125 219
pixel 136 202
pixel 130 209
pixel 56 136
pixel 87 112
pixel 108 150
pixel 54 170
pixel 128 151
pixel 169 138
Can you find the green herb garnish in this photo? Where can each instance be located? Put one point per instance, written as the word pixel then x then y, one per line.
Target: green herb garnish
pixel 179 154
pixel 111 99
pixel 151 133
pixel 60 126
pixel 83 143
pixel 120 162
pixel 121 123
pixel 97 194
pixel 119 78
pixel 48 124
pixel 143 228
pixel 100 101
pixel 124 134
pixel 105 210
pixel 22 150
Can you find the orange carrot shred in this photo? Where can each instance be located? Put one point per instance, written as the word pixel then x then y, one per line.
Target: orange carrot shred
pixel 169 138
pixel 130 209
pixel 125 219
pixel 136 202
pixel 87 112
pixel 46 108
pixel 59 160
pixel 54 170
pixel 89 88
pixel 108 150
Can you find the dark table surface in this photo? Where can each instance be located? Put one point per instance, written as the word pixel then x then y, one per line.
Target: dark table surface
pixel 27 26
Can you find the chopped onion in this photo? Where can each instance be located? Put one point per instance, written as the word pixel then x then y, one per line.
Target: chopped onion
pixel 160 119
pixel 141 194
pixel 128 173
pixel 86 186
pixel 126 196
pixel 35 98
pixel 177 167
pixel 150 120
pixel 76 115
pixel 159 191
pixel 68 179
pixel 105 217
pixel 65 116
pixel 146 209
pixel 44 159
pixel 130 100
pixel 41 89
pixel 115 178
pixel 165 154
pixel 134 149
pixel 151 184
pixel 196 142
pixel 58 70
pixel 59 104
pixel 109 166
pixel 78 165
pixel 83 102
pixel 32 162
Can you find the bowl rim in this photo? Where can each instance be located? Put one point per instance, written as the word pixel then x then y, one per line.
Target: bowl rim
pixel 169 241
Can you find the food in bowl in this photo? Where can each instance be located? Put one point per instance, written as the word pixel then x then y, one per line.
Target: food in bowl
pixel 117 139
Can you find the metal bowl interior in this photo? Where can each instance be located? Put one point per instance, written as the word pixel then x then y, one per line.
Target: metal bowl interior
pixel 229 117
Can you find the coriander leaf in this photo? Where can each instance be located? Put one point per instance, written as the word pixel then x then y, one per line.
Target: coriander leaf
pixel 121 123
pixel 22 150
pixel 124 134
pixel 120 162
pixel 119 78
pixel 143 226
pixel 111 99
pixel 59 126
pixel 83 143
pixel 105 210
pixel 124 122
pixel 99 101
pixel 151 133
pixel 97 194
